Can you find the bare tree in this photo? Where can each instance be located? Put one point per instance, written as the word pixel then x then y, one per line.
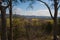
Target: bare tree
pixel 3 21
pixel 56 7
pixel 10 37
pixel 4 28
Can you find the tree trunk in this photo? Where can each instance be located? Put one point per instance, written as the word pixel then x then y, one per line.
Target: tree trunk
pixel 11 28
pixel 3 21
pixel 55 19
pixel 55 30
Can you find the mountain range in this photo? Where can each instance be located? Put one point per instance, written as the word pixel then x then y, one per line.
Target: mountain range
pixel 29 17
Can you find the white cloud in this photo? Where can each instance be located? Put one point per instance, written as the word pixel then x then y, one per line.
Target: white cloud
pixel 44 12
pixel 17 11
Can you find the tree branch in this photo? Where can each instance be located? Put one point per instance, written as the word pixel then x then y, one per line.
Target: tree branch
pixel 58 6
pixel 48 8
pixel 7 6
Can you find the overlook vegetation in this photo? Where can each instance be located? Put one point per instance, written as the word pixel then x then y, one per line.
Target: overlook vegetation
pixel 33 29
pixel 13 28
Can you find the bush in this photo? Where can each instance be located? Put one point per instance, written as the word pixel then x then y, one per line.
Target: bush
pixel 48 28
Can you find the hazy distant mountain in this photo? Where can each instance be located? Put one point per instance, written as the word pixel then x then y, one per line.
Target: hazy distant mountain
pixel 40 17
pixel 30 17
pixel 23 16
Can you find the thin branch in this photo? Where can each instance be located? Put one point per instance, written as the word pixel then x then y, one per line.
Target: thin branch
pixel 48 8
pixel 58 6
pixel 0 4
pixel 7 6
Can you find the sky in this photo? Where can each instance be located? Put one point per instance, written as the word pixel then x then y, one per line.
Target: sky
pixel 39 9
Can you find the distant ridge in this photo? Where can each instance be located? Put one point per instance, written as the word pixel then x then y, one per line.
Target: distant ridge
pixel 40 17
pixel 29 17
